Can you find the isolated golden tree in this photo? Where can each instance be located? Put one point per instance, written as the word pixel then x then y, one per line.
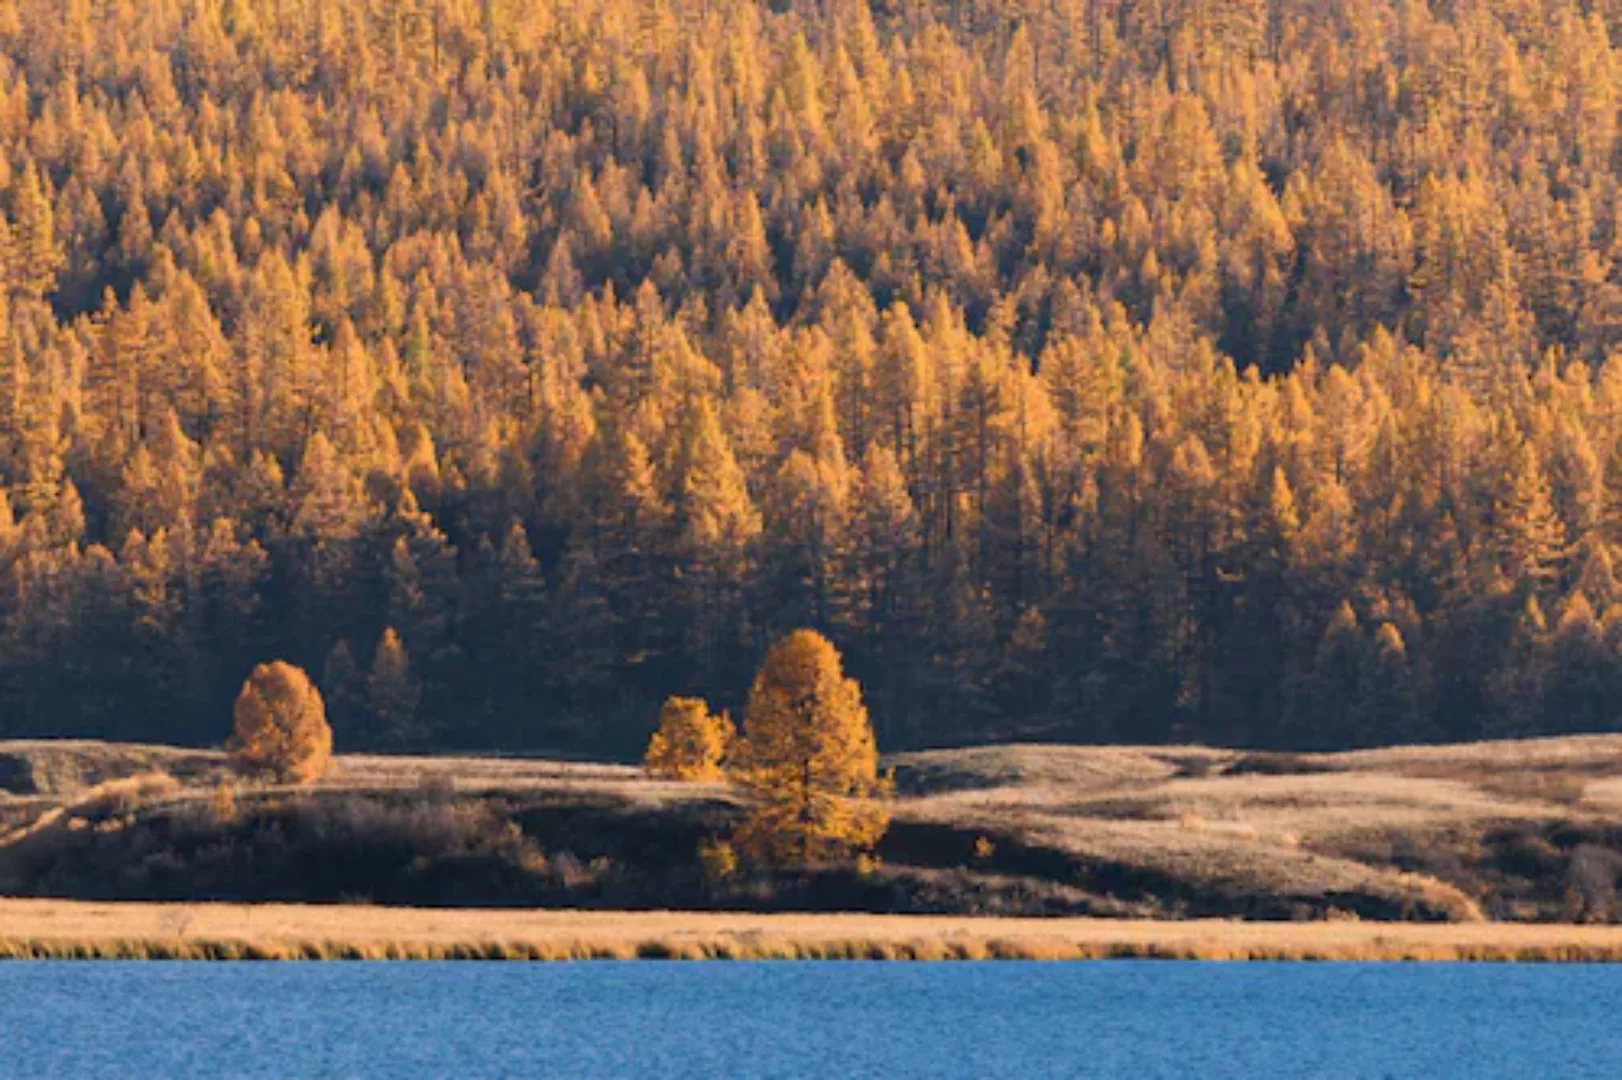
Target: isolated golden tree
pixel 281 724
pixel 808 758
pixel 690 743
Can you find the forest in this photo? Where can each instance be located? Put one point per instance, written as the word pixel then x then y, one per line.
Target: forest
pixel 1238 371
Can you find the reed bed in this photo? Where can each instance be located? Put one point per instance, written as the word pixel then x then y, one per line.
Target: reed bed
pixel 66 930
pixel 850 950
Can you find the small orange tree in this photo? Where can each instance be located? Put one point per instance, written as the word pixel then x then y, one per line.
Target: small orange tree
pixel 280 724
pixel 690 742
pixel 809 759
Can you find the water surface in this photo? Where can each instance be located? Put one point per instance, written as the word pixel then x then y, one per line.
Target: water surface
pixel 823 1020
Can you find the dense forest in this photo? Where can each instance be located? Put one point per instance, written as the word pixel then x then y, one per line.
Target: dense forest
pixel 1230 370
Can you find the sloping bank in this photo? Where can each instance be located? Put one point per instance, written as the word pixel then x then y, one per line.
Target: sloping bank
pixel 54 929
pixel 1523 833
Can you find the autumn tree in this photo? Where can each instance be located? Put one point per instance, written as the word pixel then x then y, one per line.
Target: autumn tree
pixel 280 724
pixel 808 758
pixel 393 692
pixel 690 743
pixel 1072 363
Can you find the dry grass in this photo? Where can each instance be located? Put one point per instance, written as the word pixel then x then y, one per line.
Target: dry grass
pixel 1604 796
pixel 1408 828
pixel 1416 832
pixel 1038 766
pixel 1240 863
pixel 62 929
pixel 63 768
pixel 1594 753
pixel 126 794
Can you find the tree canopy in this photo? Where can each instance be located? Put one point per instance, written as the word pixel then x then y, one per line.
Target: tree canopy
pixel 691 741
pixel 1085 369
pixel 808 758
pixel 280 724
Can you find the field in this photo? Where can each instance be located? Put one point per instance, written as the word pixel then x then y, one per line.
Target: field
pixel 1517 830
pixel 1471 834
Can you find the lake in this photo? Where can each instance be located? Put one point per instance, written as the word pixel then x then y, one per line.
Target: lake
pixel 823 1020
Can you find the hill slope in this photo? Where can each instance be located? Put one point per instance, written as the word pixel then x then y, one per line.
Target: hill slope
pixel 1526 831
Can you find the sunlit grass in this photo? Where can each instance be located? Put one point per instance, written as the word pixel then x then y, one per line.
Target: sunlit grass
pixel 64 930
pixel 847 950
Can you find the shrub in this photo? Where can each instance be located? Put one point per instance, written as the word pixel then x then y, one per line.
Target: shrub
pixel 1591 884
pixel 115 797
pixel 223 805
pixel 718 858
pixel 690 743
pixel 281 725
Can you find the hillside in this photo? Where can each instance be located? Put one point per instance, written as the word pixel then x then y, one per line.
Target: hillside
pixel 1504 831
pixel 1087 370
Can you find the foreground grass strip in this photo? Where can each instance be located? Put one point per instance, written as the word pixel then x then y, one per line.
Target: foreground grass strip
pixel 847 950
pixel 52 929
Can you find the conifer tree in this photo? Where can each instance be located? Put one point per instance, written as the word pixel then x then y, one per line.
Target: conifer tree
pixel 720 525
pixel 808 758
pixel 37 251
pixel 1530 538
pixel 343 689
pixel 393 693
pixel 690 743
pixel 280 724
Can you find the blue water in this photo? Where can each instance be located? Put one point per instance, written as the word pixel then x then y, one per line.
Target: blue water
pixel 648 1019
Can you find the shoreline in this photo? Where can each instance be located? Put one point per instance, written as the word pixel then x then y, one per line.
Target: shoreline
pixel 64 929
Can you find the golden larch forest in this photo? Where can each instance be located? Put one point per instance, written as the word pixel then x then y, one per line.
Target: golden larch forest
pixel 1234 371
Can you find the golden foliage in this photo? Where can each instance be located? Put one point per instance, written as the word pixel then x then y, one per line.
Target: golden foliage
pixel 719 859
pixel 809 759
pixel 855 315
pixel 281 724
pixel 690 743
pixel 222 805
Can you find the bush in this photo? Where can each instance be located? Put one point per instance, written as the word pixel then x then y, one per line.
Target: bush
pixel 223 805
pixel 1591 884
pixel 718 858
pixel 115 797
pixel 281 725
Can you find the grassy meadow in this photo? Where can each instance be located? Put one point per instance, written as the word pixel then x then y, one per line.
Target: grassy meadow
pixel 1493 850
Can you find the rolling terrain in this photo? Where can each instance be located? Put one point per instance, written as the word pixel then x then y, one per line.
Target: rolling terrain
pixel 1523 831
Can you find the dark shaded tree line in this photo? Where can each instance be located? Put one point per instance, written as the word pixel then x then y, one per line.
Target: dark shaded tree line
pixel 1084 369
